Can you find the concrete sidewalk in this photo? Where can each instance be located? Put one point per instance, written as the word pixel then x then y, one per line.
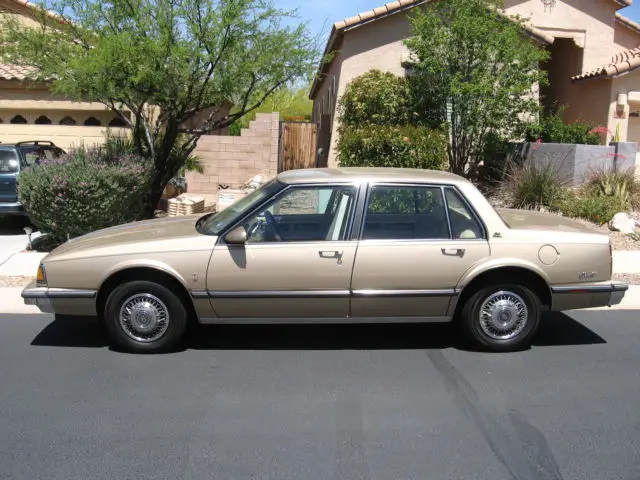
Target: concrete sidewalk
pixel 626 262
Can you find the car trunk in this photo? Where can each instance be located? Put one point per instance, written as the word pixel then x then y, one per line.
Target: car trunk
pixel 9 168
pixel 530 220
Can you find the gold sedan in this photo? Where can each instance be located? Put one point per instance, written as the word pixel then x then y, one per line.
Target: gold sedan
pixel 334 246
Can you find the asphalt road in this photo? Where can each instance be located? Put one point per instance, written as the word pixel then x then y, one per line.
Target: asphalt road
pixel 325 402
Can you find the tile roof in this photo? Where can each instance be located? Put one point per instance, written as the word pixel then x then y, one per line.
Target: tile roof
pixel 627 22
pixel 34 6
pixel 15 72
pixel 621 63
pixel 339 28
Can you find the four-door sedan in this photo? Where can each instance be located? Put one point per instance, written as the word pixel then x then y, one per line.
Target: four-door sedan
pixel 334 246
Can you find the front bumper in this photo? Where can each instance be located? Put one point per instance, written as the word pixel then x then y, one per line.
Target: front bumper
pixel 14 208
pixel 63 301
pixel 587 295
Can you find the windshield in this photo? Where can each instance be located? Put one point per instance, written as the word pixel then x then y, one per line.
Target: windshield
pixel 34 153
pixel 218 222
pixel 8 161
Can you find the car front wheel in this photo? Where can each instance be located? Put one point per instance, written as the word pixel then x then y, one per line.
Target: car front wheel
pixel 502 318
pixel 145 317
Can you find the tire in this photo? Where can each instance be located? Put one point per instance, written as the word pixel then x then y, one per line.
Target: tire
pixel 511 332
pixel 155 322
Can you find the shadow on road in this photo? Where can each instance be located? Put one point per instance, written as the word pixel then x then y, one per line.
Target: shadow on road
pixel 11 225
pixel 556 330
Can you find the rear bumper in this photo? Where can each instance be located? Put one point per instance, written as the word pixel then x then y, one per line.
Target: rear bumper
pixel 14 208
pixel 587 295
pixel 63 301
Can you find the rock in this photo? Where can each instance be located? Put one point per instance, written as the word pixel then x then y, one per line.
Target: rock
pixel 623 223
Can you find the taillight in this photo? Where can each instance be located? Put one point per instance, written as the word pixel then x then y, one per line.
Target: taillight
pixel 610 260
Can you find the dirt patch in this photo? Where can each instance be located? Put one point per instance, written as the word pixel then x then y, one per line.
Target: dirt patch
pixel 630 278
pixel 12 281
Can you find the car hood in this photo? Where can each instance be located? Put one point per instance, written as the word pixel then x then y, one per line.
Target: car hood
pixel 531 220
pixel 146 231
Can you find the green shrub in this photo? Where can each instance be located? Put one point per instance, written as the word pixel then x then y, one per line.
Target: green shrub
pixel 85 190
pixel 534 186
pixel 552 129
pixel 376 98
pixel 404 146
pixel 614 183
pixel 595 208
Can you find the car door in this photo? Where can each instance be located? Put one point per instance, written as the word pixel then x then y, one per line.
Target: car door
pixel 416 243
pixel 297 260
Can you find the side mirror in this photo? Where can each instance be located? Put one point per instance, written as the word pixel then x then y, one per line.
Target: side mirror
pixel 237 236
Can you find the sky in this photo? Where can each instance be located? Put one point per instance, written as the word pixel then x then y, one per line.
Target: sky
pixel 322 14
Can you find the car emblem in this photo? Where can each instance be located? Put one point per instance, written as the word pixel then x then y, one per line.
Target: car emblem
pixel 587 275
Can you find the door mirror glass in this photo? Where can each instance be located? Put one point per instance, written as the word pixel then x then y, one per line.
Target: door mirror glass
pixel 237 236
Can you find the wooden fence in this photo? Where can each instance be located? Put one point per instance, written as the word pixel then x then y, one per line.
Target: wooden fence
pixel 298 145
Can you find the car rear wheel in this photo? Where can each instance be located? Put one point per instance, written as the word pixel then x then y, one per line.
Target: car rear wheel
pixel 145 317
pixel 502 318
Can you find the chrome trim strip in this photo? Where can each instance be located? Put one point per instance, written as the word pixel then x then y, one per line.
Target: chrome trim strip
pixel 320 320
pixel 279 293
pixel 614 287
pixel 70 293
pixel 406 293
pixel 43 292
pixel 323 293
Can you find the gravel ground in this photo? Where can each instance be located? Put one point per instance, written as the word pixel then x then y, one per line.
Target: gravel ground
pixel 12 281
pixel 618 240
pixel 630 278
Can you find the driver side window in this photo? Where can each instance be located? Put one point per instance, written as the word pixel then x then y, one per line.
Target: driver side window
pixel 304 214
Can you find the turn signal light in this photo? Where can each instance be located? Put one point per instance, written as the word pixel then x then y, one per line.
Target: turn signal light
pixel 41 277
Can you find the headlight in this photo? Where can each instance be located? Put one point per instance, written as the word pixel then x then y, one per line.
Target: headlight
pixel 41 277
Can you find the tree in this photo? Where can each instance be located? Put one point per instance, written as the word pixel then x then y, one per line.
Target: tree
pixel 476 72
pixel 289 102
pixel 160 64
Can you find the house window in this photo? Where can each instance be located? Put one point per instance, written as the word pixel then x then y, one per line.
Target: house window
pixel 43 120
pixel 117 122
pixel 19 120
pixel 67 120
pixel 92 122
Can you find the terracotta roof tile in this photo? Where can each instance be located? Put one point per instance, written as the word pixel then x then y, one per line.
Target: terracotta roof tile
pixel 622 62
pixel 15 72
pixel 627 22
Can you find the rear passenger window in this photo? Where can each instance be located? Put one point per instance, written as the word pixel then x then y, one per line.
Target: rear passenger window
pixel 464 225
pixel 406 213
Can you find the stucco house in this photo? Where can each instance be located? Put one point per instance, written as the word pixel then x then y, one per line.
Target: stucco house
pixel 30 111
pixel 593 70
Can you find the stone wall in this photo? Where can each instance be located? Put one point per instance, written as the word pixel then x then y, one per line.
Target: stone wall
pixel 576 163
pixel 232 161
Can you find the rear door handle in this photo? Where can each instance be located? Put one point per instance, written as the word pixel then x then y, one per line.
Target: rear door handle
pixel 454 252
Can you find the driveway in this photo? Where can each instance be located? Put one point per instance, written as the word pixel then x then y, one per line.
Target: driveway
pixel 13 239
pixel 322 402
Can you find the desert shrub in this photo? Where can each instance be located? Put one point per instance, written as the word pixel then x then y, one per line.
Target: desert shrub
pixel 533 186
pixel 85 190
pixel 552 129
pixel 376 98
pixel 621 184
pixel 393 146
pixel 596 208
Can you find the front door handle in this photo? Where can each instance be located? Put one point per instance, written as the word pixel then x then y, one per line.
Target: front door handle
pixel 330 254
pixel 454 252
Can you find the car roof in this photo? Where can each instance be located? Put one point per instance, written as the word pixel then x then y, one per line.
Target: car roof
pixel 29 143
pixel 369 174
